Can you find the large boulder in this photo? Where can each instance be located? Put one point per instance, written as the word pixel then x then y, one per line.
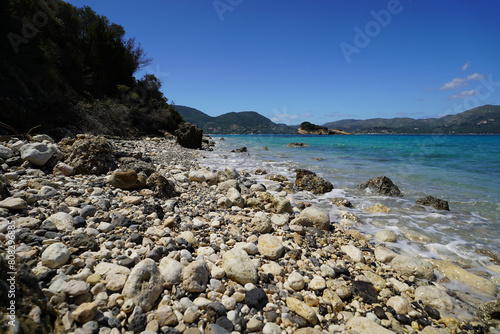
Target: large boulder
pixel 436 203
pixel 307 180
pixel 189 135
pixel 381 185
pixel 90 154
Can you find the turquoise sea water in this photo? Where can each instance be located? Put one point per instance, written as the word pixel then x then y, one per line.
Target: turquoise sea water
pixel 464 170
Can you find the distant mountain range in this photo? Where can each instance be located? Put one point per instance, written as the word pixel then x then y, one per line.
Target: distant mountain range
pixel 480 120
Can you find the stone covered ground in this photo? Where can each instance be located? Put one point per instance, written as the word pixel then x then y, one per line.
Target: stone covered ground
pixel 120 236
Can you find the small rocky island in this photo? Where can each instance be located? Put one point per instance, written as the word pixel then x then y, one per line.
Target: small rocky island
pixel 307 128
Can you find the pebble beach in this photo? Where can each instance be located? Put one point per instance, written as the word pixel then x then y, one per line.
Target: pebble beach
pixel 134 236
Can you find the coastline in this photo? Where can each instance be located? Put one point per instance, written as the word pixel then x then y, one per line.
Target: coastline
pixel 192 247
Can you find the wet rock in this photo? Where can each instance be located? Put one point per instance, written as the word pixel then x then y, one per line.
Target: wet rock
pixel 189 135
pixel 195 276
pixel 435 297
pixel 378 208
pixel 256 298
pixel 127 180
pixel 490 312
pixel 436 203
pixel 260 223
pixel 381 185
pixel 302 309
pixel 90 155
pixel 162 187
pixel 412 266
pixel 385 236
pixel 319 217
pixel 457 273
pixel 36 153
pixel 55 255
pixel 144 284
pixel 238 266
pixel 341 202
pixel 241 150
pixel 309 181
pixel 270 246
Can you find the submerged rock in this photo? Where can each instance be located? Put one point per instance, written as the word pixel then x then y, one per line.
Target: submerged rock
pixel 436 203
pixel 382 185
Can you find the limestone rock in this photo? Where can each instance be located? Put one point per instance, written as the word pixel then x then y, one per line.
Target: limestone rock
pixel 412 266
pixel 13 203
pixel 353 252
pixel 5 152
pixel 270 246
pixel 36 153
pixel 399 304
pixel 309 181
pixel 381 185
pixel 127 180
pixel 55 255
pixel 85 312
pixel 283 205
pixel 144 284
pixel 302 309
pixel 202 175
pixel 296 281
pixel 195 277
pixel 365 325
pixel 260 223
pixel 239 267
pixel 319 217
pixel 235 197
pixel 435 297
pixel 62 220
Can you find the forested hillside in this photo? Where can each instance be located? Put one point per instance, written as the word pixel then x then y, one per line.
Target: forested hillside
pixel 62 66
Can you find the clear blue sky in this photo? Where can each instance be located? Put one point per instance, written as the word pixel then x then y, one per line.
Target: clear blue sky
pixel 320 60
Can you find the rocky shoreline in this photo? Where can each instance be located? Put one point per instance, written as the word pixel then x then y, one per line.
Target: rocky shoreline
pixel 133 236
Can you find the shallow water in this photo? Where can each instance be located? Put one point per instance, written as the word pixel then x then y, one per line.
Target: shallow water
pixel 464 170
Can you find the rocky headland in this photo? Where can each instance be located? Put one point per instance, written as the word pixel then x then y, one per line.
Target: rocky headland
pixel 132 236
